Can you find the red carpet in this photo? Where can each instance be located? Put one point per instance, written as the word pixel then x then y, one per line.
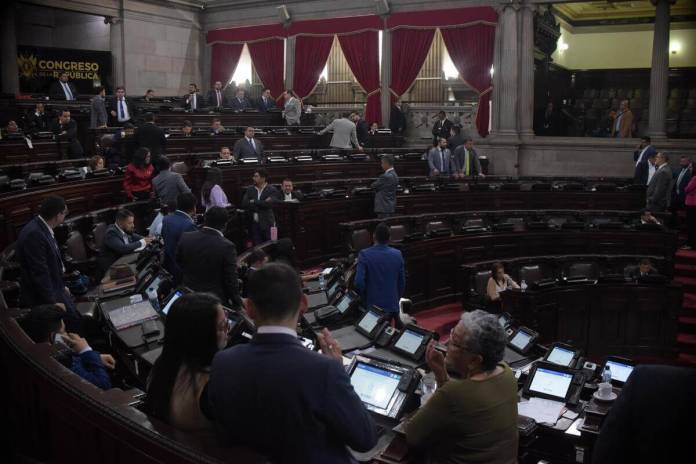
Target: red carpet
pixel 685 273
pixel 441 319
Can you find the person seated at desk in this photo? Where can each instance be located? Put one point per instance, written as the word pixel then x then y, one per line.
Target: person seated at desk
pixel 149 95
pixel 644 268
pixel 498 282
pixel 440 159
pixel 473 418
pixel 187 128
pixel 374 129
pixel 216 128
pixel 137 180
pixel 240 102
pixel 39 121
pixel 275 396
pixel 196 328
pixel 226 154
pixel 289 192
pixel 65 130
pixel 44 324
pixel 11 129
pixel 212 193
pixel 96 163
pixel 646 217
pixel 120 239
pixel 248 147
pixel 174 225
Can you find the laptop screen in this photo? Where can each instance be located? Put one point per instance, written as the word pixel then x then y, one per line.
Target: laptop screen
pixel 409 341
pixel 561 356
pixel 521 339
pixel 550 382
pixel 344 303
pixel 369 321
pixel 178 294
pixel 375 386
pixel 619 371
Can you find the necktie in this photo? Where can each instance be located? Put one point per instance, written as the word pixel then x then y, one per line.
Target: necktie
pixel 441 160
pixel 679 179
pixel 219 100
pixel 120 110
pixel 466 162
pixel 253 145
pixel 68 93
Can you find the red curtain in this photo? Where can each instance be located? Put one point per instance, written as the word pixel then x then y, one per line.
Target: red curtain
pixel 471 50
pixel 409 49
pixel 224 59
pixel 362 54
pixel 311 54
pixel 268 60
pixel 246 33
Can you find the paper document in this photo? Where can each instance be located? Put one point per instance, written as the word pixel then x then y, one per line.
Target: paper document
pixel 541 410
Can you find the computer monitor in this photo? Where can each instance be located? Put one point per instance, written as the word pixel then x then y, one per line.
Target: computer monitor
pixel 409 341
pixel 174 296
pixel 523 339
pixel 344 303
pixel 620 369
pixel 333 289
pixel 369 321
pixel 561 355
pixel 550 383
pixel 376 386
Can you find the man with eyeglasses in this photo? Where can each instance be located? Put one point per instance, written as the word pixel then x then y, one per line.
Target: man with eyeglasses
pixel 41 263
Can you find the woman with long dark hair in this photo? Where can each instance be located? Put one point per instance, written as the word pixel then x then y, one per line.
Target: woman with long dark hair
pixel 498 282
pixel 211 192
pixel 196 328
pixel 137 180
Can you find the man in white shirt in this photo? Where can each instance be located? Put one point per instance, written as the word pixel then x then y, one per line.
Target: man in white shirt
pixel 248 146
pixel 62 89
pixel 192 101
pixel 289 192
pixel 121 110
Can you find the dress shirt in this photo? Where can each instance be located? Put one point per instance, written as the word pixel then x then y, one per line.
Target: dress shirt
pixel 287 196
pixel 258 198
pixel 122 111
pixel 192 101
pixel 126 239
pixel 66 89
pixel 617 126
pixel 276 329
pixel 679 178
pixel 651 171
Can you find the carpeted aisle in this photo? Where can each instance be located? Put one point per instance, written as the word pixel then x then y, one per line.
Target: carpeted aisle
pixel 685 273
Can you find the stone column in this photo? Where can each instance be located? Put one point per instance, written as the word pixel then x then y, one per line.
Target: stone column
pixel 508 71
pixel 289 62
pixel 659 72
pixel 385 78
pixel 117 38
pixel 8 50
pixel 525 109
pixel 495 93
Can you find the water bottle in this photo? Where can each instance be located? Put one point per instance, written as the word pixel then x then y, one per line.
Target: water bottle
pixel 152 296
pixel 523 285
pixel 322 281
pixel 606 375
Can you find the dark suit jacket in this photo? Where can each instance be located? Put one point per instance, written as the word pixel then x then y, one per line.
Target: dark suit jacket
pixel 200 101
pixel 649 151
pixel 41 266
pixel 112 105
pixel 385 192
pixel 397 120
pixel 295 195
pixel 459 161
pixel 678 194
pixel 239 106
pixel 56 91
pixel 380 277
pixel 640 175
pixel 287 402
pixel 260 206
pixel 362 130
pixel 270 104
pixel 68 141
pixel 633 272
pixel 208 263
pixel 115 246
pixel 40 123
pixel 243 149
pixel 173 227
pixel 211 99
pixel 441 129
pixel 652 420
pixel 455 141
pixel 659 192
pixel 151 136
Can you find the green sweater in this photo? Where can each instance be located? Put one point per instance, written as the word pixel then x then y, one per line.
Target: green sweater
pixel 467 421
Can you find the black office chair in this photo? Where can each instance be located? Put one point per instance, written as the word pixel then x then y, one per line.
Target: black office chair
pixel 397 233
pixel 360 239
pixel 530 274
pixel 582 271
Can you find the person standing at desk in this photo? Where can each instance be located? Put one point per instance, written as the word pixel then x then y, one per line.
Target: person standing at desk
pixel 258 199
pixel 440 159
pixel 471 419
pixel 298 406
pixel 659 192
pixel 97 116
pixel 380 277
pixel 248 146
pixel 292 112
pixel 41 264
pixel 385 188
pixel 63 89
pixel 344 133
pixel 174 225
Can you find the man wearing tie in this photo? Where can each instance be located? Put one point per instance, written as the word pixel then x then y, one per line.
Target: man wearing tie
pixel 465 160
pixel 121 110
pixel 439 159
pixel 240 102
pixel 441 128
pixel 62 89
pixel 266 102
pixel 248 147
pixel 191 100
pixel 216 96
pixel 120 240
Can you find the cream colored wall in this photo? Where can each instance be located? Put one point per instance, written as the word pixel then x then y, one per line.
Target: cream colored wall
pixel 614 50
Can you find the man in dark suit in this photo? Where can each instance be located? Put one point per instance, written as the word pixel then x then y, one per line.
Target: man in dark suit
pixel 385 188
pixel 39 120
pixel 192 101
pixel 288 191
pixel 266 102
pixel 361 128
pixel 298 406
pixel 465 160
pixel 659 192
pixel 65 130
pixel 150 136
pixel 174 225
pixel 62 89
pixel 120 239
pixel 681 176
pixel 216 96
pixel 643 269
pixel 456 139
pixel 97 117
pixel 248 146
pixel 643 150
pixel 380 277
pixel 652 420
pixel 258 200
pixel 41 264
pixel 240 102
pixel 397 119
pixel 120 109
pixel 645 170
pixel 208 261
pixel 442 127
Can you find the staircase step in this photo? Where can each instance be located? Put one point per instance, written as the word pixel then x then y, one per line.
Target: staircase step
pixel 689 283
pixel 685 256
pixel 689 301
pixel 686 358
pixel 687 339
pixel 687 324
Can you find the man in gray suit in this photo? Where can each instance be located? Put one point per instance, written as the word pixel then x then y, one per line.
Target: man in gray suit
pixel 385 188
pixel 248 147
pixel 293 109
pixel 659 193
pixel 98 116
pixel 465 160
pixel 167 184
pixel 345 135
pixel 439 159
